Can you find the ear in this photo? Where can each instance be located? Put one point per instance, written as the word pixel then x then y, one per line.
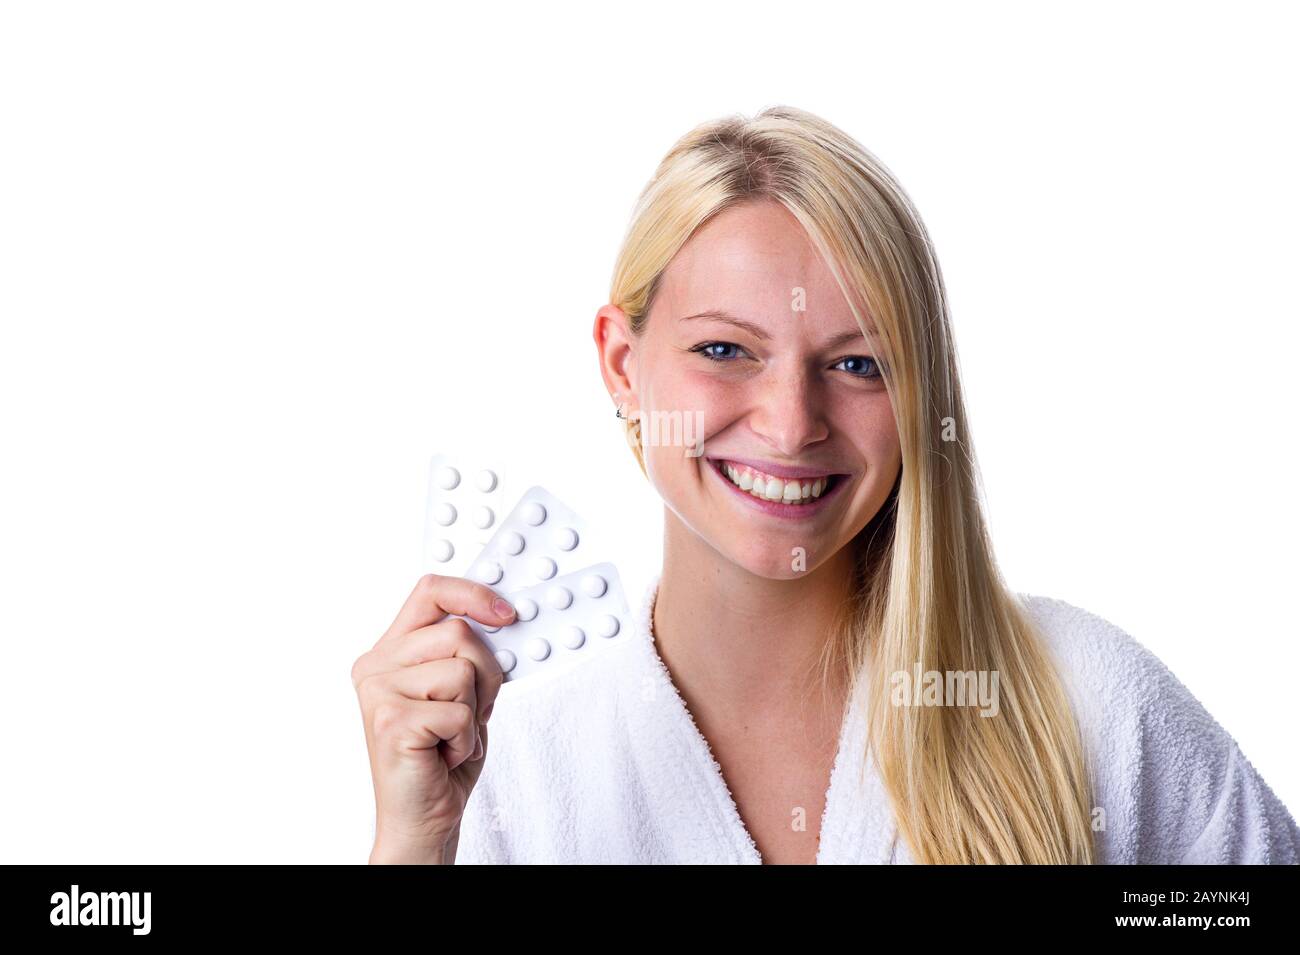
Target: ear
pixel 612 333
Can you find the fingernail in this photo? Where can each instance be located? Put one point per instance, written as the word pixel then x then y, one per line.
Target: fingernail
pixel 478 750
pixel 502 608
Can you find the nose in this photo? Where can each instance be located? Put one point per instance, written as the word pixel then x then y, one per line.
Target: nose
pixel 788 412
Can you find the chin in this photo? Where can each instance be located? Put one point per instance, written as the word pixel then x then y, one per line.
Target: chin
pixel 774 561
pixel 776 571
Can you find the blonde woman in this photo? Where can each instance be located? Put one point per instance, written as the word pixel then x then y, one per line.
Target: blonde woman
pixel 829 667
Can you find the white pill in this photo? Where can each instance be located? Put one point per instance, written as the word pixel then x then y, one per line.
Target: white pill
pixel 491 629
pixel 525 609
pixel 593 585
pixel 566 538
pixel 483 517
pixel 543 568
pixel 442 550
pixel 533 513
pixel 506 659
pixel 512 542
pixel 573 637
pixel 607 625
pixel 486 481
pixel 448 477
pixel 537 648
pixel 488 571
pixel 444 514
pixel 559 597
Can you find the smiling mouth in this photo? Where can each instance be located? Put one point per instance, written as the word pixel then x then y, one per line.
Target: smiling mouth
pixel 798 490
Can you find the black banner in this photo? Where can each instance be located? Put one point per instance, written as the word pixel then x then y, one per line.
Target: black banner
pixel 426 904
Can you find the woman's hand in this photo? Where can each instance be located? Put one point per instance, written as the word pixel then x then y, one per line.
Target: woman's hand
pixel 426 689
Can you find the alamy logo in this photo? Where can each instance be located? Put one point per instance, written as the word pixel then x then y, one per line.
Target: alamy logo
pixel 946 688
pixel 101 908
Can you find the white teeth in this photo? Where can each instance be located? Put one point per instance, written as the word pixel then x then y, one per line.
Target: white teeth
pixel 774 489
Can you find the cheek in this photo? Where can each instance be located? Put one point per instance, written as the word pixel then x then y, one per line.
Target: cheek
pixel 690 391
pixel 883 448
pixel 706 402
pixel 871 428
pixel 706 407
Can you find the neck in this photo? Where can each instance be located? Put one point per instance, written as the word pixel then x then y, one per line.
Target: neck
pixel 739 643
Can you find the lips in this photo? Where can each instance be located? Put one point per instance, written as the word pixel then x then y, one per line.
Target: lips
pixel 782 490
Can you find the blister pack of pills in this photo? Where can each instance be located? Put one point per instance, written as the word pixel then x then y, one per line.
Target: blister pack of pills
pixel 560 622
pixel 463 510
pixel 540 556
pixel 540 539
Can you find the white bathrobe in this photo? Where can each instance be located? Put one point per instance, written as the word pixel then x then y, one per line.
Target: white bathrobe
pixel 604 764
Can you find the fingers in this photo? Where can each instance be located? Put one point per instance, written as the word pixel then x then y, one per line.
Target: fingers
pixel 450 680
pixel 436 597
pixel 482 740
pixel 423 725
pixel 450 639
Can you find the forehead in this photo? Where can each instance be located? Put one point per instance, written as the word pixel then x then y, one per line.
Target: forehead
pixel 751 257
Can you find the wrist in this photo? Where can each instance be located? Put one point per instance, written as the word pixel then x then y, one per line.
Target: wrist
pixel 389 850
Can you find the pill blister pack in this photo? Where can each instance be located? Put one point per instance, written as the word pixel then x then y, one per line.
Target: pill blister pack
pixel 463 510
pixel 540 539
pixel 560 622
pixel 539 556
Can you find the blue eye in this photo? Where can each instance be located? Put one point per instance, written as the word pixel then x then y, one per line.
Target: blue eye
pixel 860 366
pixel 708 350
pixel 871 371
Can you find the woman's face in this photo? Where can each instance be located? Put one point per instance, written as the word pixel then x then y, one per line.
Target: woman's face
pixel 766 426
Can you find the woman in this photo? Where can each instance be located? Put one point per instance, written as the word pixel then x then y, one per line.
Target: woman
pixel 827 584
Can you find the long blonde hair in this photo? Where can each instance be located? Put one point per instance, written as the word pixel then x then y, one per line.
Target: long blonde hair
pixel 1011 788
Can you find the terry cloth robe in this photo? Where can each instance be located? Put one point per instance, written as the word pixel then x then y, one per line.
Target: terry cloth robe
pixel 603 763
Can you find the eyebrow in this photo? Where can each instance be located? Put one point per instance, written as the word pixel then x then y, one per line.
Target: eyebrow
pixel 718 315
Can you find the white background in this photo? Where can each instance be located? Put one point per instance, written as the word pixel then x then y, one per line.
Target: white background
pixel 259 260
